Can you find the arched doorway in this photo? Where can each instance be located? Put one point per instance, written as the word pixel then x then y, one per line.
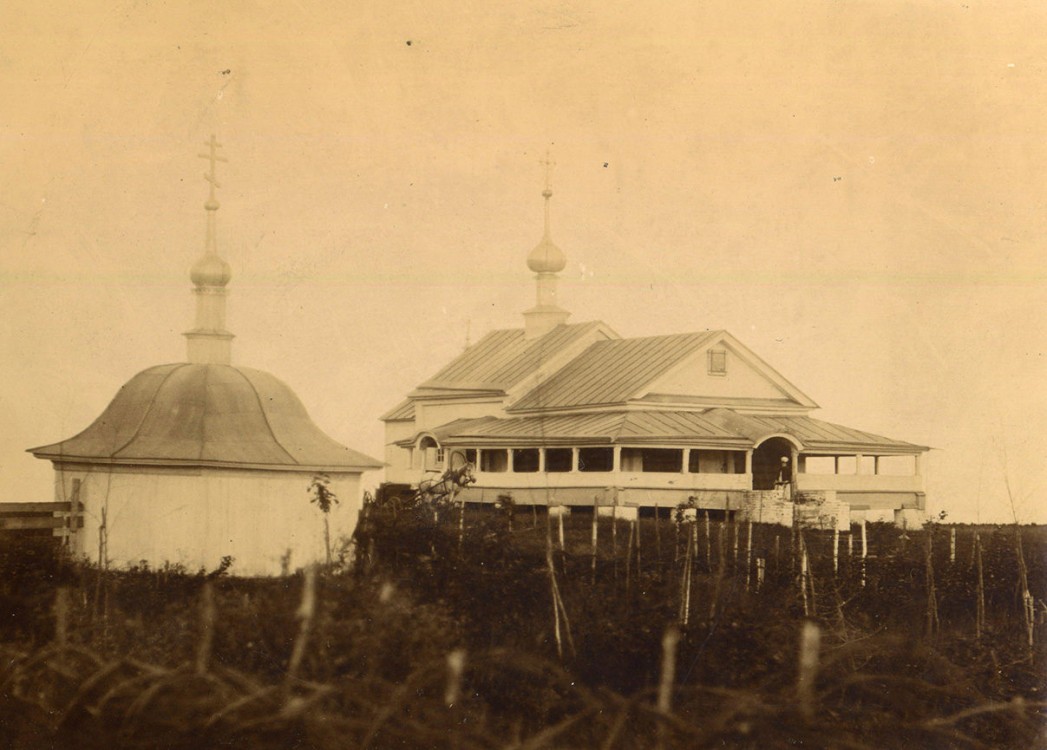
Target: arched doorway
pixel 768 464
pixel 431 453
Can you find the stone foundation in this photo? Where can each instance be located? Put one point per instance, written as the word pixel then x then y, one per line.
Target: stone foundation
pixel 822 510
pixel 810 510
pixel 911 519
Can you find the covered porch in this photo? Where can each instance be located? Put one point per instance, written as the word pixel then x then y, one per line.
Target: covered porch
pixel 715 459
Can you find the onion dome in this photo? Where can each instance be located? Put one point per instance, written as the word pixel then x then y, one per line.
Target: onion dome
pixel 210 270
pixel 546 256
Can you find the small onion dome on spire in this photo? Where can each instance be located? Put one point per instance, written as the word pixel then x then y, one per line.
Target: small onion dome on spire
pixel 210 270
pixel 546 256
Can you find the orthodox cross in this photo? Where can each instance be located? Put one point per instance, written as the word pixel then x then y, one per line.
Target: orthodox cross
pixel 213 157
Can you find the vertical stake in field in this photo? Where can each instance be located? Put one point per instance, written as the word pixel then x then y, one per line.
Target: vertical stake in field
pixel 979 612
pixel 836 550
pixel 305 614
pixel 708 544
pixel 207 621
pixel 596 531
pixel 865 549
pixel 932 598
pixel 685 582
pixel 563 547
pixel 629 557
pixel 807 674
pixel 665 686
pixel 748 552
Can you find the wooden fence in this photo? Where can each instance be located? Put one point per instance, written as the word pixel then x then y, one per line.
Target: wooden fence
pixel 62 519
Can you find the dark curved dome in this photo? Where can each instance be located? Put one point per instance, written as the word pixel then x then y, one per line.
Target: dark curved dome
pixel 207 415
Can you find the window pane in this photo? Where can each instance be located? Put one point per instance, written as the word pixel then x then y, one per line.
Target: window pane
pixel 494 460
pixel 558 459
pixel 595 459
pixel 525 459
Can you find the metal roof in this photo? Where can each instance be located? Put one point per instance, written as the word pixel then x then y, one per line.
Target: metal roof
pixel 715 428
pixel 503 358
pixel 813 434
pixel 611 372
pixel 606 427
pixel 207 415
pixel 402 412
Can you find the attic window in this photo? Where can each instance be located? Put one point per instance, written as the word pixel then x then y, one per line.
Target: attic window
pixel 717 362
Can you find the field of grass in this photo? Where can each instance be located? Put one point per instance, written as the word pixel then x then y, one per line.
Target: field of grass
pixel 433 633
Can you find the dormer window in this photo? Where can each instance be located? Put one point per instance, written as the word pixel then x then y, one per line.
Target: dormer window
pixel 717 362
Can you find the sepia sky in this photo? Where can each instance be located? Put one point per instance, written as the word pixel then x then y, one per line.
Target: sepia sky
pixel 854 189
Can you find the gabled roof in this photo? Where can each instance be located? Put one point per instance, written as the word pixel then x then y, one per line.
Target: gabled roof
pixel 502 359
pixel 612 372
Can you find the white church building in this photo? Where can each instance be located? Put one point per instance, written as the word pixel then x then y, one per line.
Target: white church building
pixel 202 459
pixel 573 415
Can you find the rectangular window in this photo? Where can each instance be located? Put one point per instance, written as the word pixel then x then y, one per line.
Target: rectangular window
pixel 558 459
pixel 496 460
pixel 717 362
pixel 664 460
pixel 525 460
pixel 595 459
pixel 470 455
pixel 440 456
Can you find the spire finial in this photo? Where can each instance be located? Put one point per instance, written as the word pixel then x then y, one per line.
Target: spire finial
pixel 546 260
pixel 210 270
pixel 548 163
pixel 547 193
pixel 213 157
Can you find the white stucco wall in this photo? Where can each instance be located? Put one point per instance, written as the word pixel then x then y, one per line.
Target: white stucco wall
pixel 430 414
pixel 397 458
pixel 196 516
pixel 691 378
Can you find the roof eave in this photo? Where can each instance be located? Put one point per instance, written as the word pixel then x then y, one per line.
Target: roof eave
pixel 58 458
